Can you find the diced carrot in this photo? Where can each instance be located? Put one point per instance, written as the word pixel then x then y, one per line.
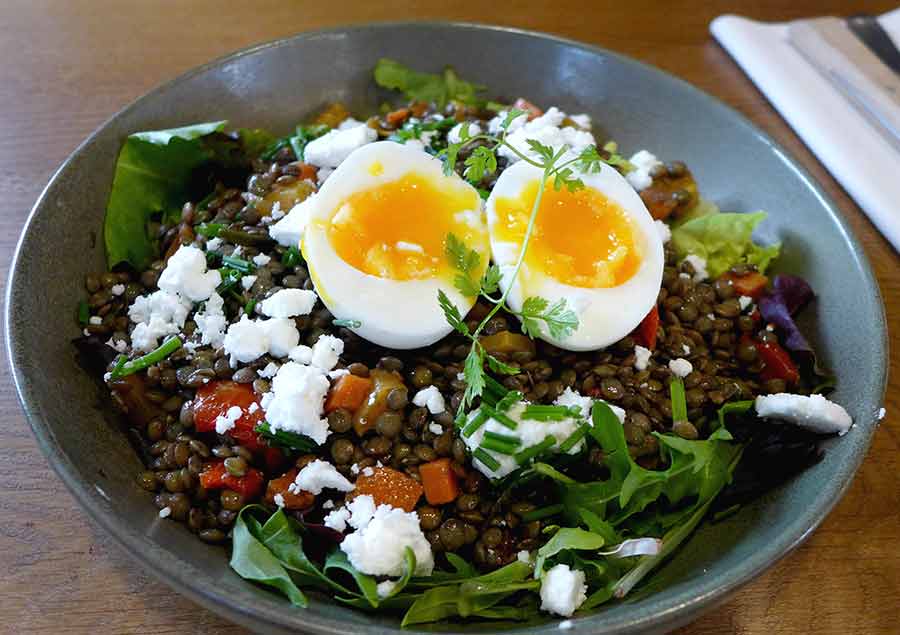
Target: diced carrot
pixel 523 104
pixel 751 284
pixel 418 108
pixel 397 117
pixel 281 485
pixel 645 333
pixel 389 487
pixel 215 476
pixel 439 482
pixel 349 392
pixel 333 115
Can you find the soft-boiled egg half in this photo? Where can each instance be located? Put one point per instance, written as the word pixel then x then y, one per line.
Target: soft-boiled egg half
pixel 375 241
pixel 596 247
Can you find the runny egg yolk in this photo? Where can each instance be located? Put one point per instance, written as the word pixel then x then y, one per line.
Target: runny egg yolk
pixel 580 238
pixel 397 230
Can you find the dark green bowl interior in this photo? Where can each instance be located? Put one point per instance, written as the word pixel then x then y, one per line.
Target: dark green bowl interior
pixel 275 86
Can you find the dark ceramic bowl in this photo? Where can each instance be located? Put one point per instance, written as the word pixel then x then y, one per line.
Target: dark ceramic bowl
pixel 275 85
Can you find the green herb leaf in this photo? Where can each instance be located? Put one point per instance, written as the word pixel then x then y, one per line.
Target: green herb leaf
pixel 512 115
pixel 559 319
pixel 501 367
pixel 450 155
pixel 481 162
pixel 464 260
pixel 153 178
pixel 567 538
pixel 337 559
pixel 490 282
pixel 473 373
pixel 543 151
pixel 285 439
pixel 291 257
pixel 451 313
pixel 425 87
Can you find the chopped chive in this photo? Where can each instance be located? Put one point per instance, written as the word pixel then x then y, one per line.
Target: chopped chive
pixel 230 278
pixel 529 453
pixel 502 438
pixel 495 386
pixel 486 459
pixel 573 439
pixel 679 401
pixel 248 308
pixel 157 355
pixel 543 512
pixel 513 396
pixel 498 446
pixel 210 230
pixel 291 257
pixel 475 423
pixel 84 312
pixel 500 417
pixel 244 266
pixel 117 369
pixel 350 324
pixel 234 294
pixel 545 417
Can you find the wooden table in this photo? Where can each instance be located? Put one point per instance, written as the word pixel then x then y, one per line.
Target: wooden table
pixel 68 65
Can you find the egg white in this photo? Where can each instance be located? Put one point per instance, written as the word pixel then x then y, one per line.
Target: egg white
pixel 400 314
pixel 605 315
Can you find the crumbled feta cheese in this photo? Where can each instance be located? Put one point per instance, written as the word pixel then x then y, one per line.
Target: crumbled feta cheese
pixel 813 412
pixel 881 413
pixel 95 320
pixel 329 150
pixel 319 475
pixel 563 590
pixel 524 556
pixel 238 250
pixel 278 500
pixel 261 260
pixel 269 371
pixel 120 346
pixel 354 469
pixel 283 336
pixel 350 122
pixel 368 471
pixel 213 244
pixel 226 422
pixel 211 322
pixel 276 213
pixel 117 289
pixel 665 233
pixel 247 282
pixel 165 512
pixel 186 275
pixel 377 546
pixel 699 265
pixel 329 504
pixel 684 276
pixel 402 245
pixel 546 129
pixel 680 367
pixel 289 303
pixel 322 174
pixel 581 120
pixel 745 301
pixel 156 315
pixel 245 341
pixel 571 397
pixel 289 230
pixel 297 400
pixel 337 519
pixel 642 357
pixel 301 354
pixel 686 349
pixel 384 589
pixel 644 163
pixel 337 372
pixel 253 407
pixel 566 625
pixel 326 351
pixel 454 136
pixel 432 398
pixel 435 428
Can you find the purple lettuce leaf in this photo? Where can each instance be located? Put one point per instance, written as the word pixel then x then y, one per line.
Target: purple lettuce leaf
pixel 789 294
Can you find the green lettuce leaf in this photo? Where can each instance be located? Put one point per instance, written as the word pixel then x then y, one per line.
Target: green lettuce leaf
pixel 152 179
pixel 425 87
pixel 723 240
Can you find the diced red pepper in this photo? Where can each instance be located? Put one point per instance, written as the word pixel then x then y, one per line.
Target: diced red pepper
pixel 215 398
pixel 397 117
pixel 751 284
pixel 215 476
pixel 523 104
pixel 645 333
pixel 778 363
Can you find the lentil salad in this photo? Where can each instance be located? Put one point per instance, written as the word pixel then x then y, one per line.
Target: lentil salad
pixel 544 535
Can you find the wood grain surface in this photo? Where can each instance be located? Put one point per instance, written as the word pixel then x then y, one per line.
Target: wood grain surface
pixel 66 66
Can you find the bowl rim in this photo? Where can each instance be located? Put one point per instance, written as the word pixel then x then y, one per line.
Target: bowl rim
pixel 680 607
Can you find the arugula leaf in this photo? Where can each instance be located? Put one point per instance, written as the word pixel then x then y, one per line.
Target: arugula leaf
pixel 724 240
pixel 565 539
pixel 425 87
pixel 337 559
pixel 153 177
pixel 251 560
pixel 560 320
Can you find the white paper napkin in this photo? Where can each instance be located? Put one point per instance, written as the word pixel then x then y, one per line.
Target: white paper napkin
pixel 854 151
